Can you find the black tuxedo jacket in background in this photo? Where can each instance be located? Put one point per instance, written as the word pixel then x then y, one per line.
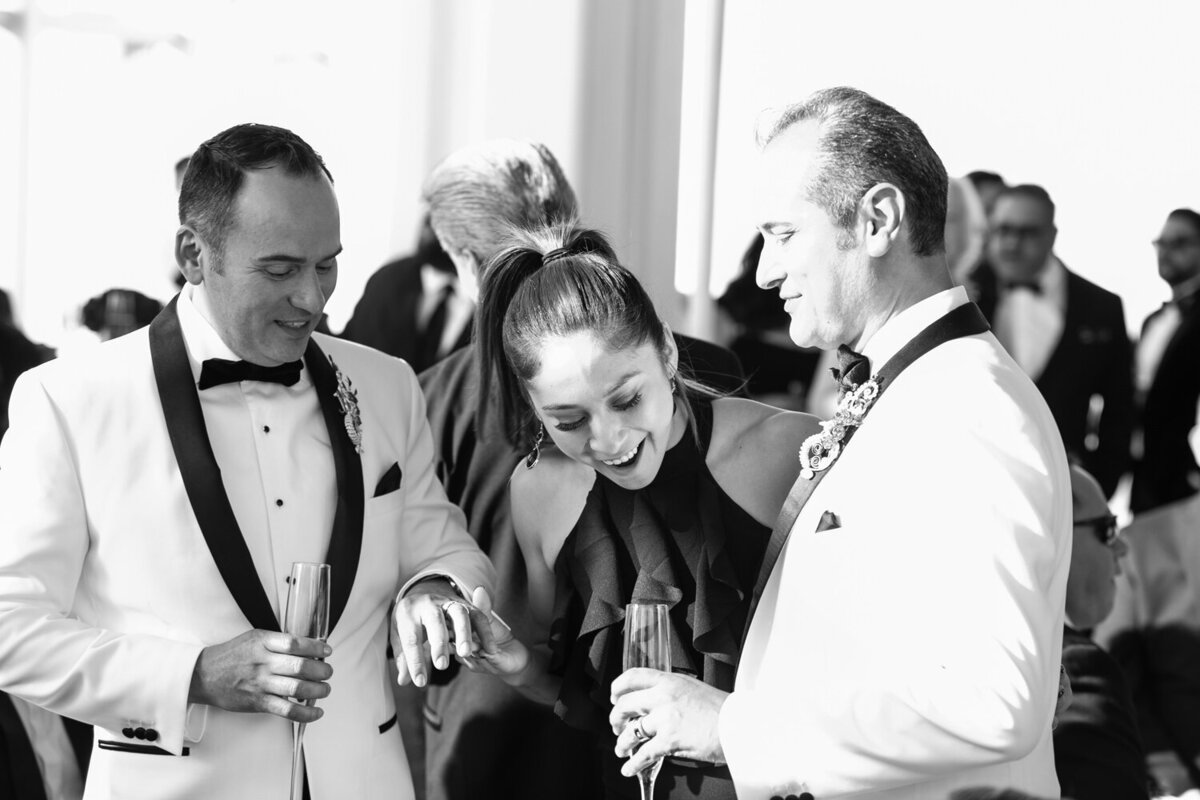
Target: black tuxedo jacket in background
pixel 386 316
pixel 484 739
pixel 20 777
pixel 1094 357
pixel 1097 751
pixel 1167 470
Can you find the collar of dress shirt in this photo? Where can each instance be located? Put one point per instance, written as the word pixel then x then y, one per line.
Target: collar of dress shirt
pixel 900 329
pixel 433 280
pixel 1185 288
pixel 202 340
pixel 1053 280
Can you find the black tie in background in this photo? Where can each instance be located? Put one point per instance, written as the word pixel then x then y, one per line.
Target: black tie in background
pixel 217 371
pixel 435 326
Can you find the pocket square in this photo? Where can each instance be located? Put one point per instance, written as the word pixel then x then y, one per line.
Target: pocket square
pixel 829 521
pixel 390 481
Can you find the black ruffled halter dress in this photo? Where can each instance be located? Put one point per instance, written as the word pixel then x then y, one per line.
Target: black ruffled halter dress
pixel 681 541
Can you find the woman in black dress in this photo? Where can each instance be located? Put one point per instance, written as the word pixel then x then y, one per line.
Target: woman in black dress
pixel 640 485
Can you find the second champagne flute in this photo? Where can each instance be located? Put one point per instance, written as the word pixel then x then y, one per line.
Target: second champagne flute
pixel 647 644
pixel 307 615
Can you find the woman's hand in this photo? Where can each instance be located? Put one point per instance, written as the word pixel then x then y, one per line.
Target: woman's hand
pixel 509 658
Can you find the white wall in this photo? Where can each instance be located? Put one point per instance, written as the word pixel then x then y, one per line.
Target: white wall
pixel 122 88
pixel 1097 101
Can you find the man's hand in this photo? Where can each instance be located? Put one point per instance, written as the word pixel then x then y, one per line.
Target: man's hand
pixel 259 671
pixel 420 633
pixel 678 714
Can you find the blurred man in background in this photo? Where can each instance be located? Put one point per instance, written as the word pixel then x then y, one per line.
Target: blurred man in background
pixel 1067 333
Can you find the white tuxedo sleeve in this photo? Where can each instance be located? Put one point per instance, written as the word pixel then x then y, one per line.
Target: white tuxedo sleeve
pixel 956 583
pixel 104 677
pixel 434 529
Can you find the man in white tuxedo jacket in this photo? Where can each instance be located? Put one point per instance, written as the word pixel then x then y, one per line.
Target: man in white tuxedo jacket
pixel 908 638
pixel 157 489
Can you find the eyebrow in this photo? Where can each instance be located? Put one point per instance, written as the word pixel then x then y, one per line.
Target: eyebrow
pixel 287 259
pixel 620 382
pixel 772 228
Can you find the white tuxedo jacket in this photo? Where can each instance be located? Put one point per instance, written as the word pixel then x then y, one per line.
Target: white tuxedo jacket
pixel 117 566
pixel 915 648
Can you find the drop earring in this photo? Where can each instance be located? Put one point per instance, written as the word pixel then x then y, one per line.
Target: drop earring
pixel 673 387
pixel 531 460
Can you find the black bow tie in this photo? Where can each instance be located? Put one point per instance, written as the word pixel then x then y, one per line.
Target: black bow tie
pixel 1032 286
pixel 216 371
pixel 852 371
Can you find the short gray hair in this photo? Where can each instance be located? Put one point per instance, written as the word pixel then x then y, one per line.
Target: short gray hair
pixel 865 142
pixel 479 193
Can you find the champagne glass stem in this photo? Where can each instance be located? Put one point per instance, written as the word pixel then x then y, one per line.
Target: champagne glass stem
pixel 646 779
pixel 298 760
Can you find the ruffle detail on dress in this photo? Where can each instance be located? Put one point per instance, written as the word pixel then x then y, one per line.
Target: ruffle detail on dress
pixel 666 543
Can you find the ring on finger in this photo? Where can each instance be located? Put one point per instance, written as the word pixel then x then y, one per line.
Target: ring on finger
pixel 639 732
pixel 446 606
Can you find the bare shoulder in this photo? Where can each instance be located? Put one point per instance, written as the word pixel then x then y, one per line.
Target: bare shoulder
pixel 547 501
pixel 753 454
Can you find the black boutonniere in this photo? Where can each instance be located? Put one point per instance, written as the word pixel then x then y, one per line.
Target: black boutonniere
pixel 347 397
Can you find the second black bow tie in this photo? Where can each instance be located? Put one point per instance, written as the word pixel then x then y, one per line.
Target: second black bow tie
pixel 1032 286
pixel 216 371
pixel 852 371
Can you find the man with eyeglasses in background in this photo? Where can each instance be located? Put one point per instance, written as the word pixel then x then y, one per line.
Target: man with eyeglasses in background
pixel 1097 750
pixel 1154 631
pixel 1067 333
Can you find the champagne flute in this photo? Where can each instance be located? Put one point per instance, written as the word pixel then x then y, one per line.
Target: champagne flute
pixel 306 614
pixel 647 644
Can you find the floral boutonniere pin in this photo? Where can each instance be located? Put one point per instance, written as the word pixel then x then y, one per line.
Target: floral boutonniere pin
pixel 347 398
pixel 820 450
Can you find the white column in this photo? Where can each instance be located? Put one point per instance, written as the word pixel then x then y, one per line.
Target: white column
pixel 702 34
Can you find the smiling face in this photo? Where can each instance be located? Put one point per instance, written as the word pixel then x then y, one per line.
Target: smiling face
pixel 277 269
pixel 821 271
pixel 612 411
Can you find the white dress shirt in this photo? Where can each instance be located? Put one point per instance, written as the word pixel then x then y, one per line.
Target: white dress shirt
pixel 1029 324
pixel 276 462
pixel 55 755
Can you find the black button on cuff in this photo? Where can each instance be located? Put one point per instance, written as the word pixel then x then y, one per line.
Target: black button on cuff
pixel 152 736
pixel 127 733
pixel 139 733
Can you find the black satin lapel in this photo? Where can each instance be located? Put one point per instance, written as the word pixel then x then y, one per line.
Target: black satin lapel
pixel 1066 349
pixel 345 543
pixel 199 470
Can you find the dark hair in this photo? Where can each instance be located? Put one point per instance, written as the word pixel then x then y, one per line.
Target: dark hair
pixel 980 177
pixel 526 297
pixel 865 142
pixel 1029 191
pixel 1187 215
pixel 215 171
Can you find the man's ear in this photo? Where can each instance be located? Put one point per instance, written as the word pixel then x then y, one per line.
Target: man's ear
pixel 466 266
pixel 882 212
pixel 188 248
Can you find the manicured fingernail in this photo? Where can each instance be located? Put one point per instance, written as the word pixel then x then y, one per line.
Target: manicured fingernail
pixel 326 651
pixel 442 662
pixel 419 681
